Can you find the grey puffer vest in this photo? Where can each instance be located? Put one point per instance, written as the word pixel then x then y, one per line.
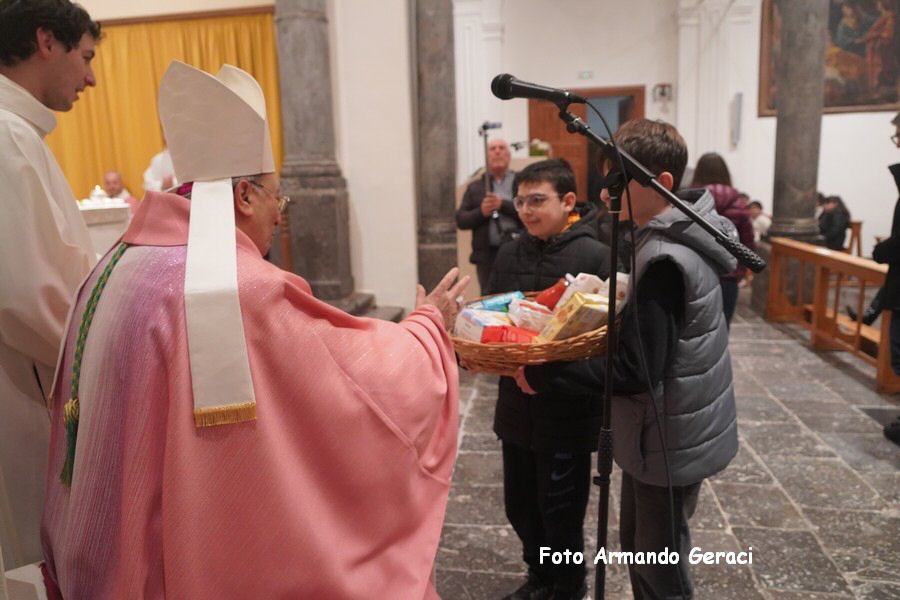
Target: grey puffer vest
pixel 697 393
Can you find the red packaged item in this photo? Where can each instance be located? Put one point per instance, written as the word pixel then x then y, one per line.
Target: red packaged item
pixel 507 334
pixel 552 294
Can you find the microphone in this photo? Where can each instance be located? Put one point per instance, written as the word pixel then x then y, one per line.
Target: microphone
pixel 506 87
pixel 490 125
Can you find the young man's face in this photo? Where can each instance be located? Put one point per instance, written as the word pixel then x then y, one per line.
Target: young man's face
pixel 541 209
pixel 69 73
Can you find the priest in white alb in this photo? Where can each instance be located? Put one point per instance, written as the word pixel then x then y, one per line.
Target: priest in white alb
pixel 45 251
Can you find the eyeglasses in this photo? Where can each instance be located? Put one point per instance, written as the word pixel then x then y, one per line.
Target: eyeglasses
pixel 896 139
pixel 282 200
pixel 531 201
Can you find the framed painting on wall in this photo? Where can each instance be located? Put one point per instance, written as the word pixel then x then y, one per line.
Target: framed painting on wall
pixel 862 56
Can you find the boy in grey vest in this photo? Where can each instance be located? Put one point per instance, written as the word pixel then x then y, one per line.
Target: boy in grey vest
pixel 685 361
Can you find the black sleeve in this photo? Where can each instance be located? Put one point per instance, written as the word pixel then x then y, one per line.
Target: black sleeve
pixel 469 215
pixel 887 251
pixel 660 314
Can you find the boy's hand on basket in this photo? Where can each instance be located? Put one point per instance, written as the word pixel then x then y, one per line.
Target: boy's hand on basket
pixel 444 296
pixel 522 382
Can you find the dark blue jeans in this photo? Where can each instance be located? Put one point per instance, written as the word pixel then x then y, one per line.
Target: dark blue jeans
pixel 895 341
pixel 729 297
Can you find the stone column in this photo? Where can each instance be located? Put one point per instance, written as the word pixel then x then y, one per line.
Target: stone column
pixel 799 79
pixel 434 101
pixel 310 175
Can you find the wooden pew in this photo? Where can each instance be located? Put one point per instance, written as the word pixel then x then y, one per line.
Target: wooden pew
pixel 829 329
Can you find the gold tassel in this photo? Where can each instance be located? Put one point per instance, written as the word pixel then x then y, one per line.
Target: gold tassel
pixel 224 415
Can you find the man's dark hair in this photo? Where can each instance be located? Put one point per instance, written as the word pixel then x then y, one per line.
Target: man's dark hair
pixel 755 203
pixel 20 20
pixel 711 169
pixel 656 144
pixel 555 171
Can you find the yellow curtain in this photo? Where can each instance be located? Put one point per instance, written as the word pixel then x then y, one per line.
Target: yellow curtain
pixel 115 126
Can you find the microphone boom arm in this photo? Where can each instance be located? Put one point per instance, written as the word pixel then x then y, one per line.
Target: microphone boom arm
pixel 643 176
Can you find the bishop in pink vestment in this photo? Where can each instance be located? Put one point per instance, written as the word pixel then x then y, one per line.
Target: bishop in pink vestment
pixel 337 489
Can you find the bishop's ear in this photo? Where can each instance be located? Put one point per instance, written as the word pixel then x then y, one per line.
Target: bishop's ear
pixel 243 200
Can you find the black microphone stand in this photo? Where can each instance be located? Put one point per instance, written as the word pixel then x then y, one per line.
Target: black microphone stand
pixel 488 178
pixel 633 170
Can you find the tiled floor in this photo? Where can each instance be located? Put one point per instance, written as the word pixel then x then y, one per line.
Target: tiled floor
pixel 815 488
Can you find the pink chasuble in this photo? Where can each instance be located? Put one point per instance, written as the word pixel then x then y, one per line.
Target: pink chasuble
pixel 337 490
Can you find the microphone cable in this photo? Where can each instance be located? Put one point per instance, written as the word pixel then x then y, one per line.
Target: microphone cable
pixel 642 357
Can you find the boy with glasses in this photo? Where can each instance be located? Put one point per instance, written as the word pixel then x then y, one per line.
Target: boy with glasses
pixel 548 439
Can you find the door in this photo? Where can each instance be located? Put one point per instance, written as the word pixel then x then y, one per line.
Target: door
pixel 625 103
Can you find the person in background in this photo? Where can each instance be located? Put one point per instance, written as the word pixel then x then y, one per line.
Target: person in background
pixel 712 173
pixel 760 220
pixel 160 175
pixel 490 215
pixel 888 251
pixel 46 49
pixel 114 188
pixel 834 222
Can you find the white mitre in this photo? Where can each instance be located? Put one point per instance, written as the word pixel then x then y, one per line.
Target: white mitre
pixel 216 129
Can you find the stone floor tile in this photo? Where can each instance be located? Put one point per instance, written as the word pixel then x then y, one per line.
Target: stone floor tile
pixel 783 439
pixel 877 590
pixel 870 452
pixel 757 506
pixel 480 442
pixel 783 595
pixel 791 561
pixel 760 408
pixel 480 418
pixel 744 468
pixel 474 585
pixel 479 468
pixel 480 548
pixel 475 505
pixel 822 482
pixel 715 581
pixel 886 484
pixel 827 417
pixel 793 389
pixel 707 515
pixel 866 543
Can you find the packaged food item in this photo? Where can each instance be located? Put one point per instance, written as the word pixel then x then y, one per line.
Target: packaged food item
pixel 585 283
pixel 550 297
pixel 498 303
pixel 471 323
pixel 528 314
pixel 622 282
pixel 507 334
pixel 582 313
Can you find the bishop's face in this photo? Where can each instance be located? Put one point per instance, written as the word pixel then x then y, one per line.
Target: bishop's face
pixel 267 205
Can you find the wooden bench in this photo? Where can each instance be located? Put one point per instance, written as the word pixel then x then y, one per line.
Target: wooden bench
pixel 829 329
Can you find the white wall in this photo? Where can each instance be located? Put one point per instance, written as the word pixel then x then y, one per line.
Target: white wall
pixel 719 56
pixel 551 42
pixel 123 9
pixel 373 108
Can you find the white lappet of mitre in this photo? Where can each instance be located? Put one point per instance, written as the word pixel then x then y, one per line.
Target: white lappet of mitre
pixel 216 129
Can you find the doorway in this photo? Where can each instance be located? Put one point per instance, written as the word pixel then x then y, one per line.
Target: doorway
pixel 617 105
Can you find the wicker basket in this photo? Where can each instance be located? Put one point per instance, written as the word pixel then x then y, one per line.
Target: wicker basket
pixel 504 359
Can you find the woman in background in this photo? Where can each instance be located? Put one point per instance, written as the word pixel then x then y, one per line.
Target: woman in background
pixel 712 173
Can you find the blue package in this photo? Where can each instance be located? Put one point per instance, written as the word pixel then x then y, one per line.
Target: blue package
pixel 500 303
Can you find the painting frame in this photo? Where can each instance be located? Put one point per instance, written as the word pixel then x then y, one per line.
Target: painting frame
pixel 844 94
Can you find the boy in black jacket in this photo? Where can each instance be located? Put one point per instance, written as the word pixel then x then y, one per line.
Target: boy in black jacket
pixel 548 439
